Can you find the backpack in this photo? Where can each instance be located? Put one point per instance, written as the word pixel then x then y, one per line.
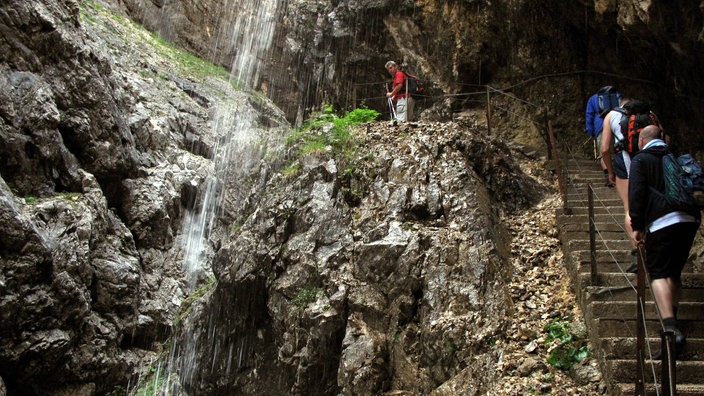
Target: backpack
pixel 684 182
pixel 608 98
pixel 636 116
pixel 415 86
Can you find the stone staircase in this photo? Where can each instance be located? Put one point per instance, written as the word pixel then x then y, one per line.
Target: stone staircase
pixel 609 305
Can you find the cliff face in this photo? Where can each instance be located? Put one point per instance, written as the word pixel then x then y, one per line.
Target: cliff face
pixel 553 53
pixel 135 176
pixel 107 146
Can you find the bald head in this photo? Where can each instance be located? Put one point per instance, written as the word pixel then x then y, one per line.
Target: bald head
pixel 647 134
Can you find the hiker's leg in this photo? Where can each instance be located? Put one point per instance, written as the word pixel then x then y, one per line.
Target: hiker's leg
pixel 401 110
pixel 410 106
pixel 663 296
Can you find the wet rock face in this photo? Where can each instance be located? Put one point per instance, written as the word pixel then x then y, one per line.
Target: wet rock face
pixel 650 49
pixel 393 289
pixel 106 147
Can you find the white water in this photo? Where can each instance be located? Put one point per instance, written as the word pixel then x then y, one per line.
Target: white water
pixel 234 127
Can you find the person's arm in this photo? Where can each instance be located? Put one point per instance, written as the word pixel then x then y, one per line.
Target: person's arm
pixel 638 197
pixel 607 139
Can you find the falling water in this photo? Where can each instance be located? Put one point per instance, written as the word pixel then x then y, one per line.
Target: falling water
pixel 250 35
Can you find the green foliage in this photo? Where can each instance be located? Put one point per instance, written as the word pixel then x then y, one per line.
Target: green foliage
pixel 291 170
pixel 187 304
pixel 30 200
pixel 571 348
pixel 305 296
pixel 183 61
pixel 151 386
pixel 326 129
pixel 449 352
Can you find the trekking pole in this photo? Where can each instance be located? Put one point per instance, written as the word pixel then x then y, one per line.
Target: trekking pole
pixel 392 111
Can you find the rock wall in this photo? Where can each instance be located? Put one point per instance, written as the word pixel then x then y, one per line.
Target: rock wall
pixel 385 272
pixel 552 53
pixel 107 143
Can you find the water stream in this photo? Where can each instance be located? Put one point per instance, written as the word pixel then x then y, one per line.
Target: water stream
pixel 250 35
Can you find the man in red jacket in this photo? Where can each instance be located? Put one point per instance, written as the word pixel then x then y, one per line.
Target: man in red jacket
pixel 399 93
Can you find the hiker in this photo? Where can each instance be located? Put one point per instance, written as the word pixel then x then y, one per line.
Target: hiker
pixel 404 103
pixel 598 105
pixel 618 165
pixel 666 233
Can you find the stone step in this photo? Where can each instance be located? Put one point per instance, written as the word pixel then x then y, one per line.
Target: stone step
pixel 624 370
pixel 602 216
pixel 626 327
pixel 682 389
pixel 628 293
pixel 609 229
pixel 621 256
pixel 598 210
pixel 613 202
pixel 615 264
pixel 691 282
pixel 625 348
pixel 583 244
pixel 687 310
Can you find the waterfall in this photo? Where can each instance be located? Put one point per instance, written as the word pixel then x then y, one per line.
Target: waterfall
pixel 234 126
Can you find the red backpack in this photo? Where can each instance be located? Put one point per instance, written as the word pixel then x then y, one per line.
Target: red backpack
pixel 636 116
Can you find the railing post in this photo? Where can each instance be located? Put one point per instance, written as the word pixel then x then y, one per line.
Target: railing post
pixel 640 328
pixel 558 169
pixel 592 233
pixel 551 137
pixel 669 374
pixel 488 110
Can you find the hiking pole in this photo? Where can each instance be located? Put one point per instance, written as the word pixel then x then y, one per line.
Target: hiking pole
pixel 392 111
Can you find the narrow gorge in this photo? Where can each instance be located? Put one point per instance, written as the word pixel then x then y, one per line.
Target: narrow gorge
pixel 167 227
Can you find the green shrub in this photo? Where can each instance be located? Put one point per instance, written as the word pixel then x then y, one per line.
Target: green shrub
pixel 313 136
pixel 305 296
pixel 571 348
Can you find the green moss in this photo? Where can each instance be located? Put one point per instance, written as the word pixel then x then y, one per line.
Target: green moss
pixel 305 296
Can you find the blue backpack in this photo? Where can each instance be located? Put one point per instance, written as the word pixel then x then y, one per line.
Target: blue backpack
pixel 608 98
pixel 684 182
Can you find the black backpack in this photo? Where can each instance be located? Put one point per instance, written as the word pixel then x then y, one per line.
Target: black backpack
pixel 608 98
pixel 636 116
pixel 415 86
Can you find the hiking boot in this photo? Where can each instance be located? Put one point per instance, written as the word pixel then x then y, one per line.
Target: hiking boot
pixel 609 184
pixel 680 342
pixel 633 268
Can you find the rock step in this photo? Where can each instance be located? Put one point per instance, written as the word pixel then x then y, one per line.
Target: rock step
pixel 627 293
pixel 618 267
pixel 611 257
pixel 583 244
pixel 682 389
pixel 605 226
pixel 624 370
pixel 688 310
pixel 626 327
pixel 625 347
pixel 598 209
pixel 690 281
